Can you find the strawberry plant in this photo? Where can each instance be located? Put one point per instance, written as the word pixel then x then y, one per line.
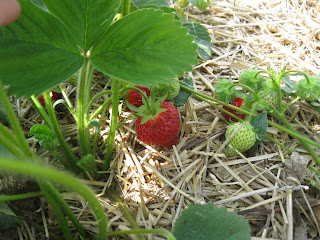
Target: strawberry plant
pixel 263 92
pixel 140 45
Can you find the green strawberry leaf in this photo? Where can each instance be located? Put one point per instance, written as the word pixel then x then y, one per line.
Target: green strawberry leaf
pixel 224 90
pixel 170 91
pixel 289 85
pixel 87 163
pixel 33 57
pixel 145 48
pixel 183 95
pixel 251 78
pixel 45 136
pixel 86 20
pixel 204 222
pixel 202 39
pixel 8 218
pixel 260 123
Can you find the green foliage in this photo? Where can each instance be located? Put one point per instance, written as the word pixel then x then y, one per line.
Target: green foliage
pixel 183 95
pixel 45 136
pixel 8 218
pixel 205 222
pixel 87 163
pixel 225 91
pixel 133 51
pixel 260 123
pixel 202 39
pixel 144 45
pixel 251 78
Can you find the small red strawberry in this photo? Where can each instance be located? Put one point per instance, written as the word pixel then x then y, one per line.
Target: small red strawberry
pixel 54 96
pixel 134 97
pixel 238 102
pixel 160 128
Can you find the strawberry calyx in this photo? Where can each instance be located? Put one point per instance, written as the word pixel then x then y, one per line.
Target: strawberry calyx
pixel 308 88
pixel 149 109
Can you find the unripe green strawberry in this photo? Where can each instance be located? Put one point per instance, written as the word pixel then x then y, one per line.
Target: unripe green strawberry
pixel 270 98
pixel 243 140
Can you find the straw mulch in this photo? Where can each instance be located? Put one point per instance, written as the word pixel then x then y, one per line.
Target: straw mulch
pixel 271 187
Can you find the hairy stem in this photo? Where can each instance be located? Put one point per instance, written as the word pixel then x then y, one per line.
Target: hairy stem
pixel 84 86
pixel 114 120
pixel 71 158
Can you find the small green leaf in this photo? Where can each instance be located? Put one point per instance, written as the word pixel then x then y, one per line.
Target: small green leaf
pixel 225 91
pixel 96 126
pixel 289 85
pixel 260 123
pixel 205 222
pixel 202 39
pixel 87 163
pixel 183 95
pixel 251 78
pixel 145 48
pixel 45 136
pixel 202 4
pixel 8 218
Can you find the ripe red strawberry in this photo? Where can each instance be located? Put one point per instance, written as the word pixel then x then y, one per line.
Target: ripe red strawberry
pixel 135 98
pixel 54 97
pixel 238 102
pixel 161 129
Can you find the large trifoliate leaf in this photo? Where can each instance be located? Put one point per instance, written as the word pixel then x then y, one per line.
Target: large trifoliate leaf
pixel 86 20
pixel 204 222
pixel 145 48
pixel 37 52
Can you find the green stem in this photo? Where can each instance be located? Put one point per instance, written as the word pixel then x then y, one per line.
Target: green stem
pixel 9 141
pixel 38 107
pixel 106 103
pixel 142 231
pixel 71 158
pixel 126 7
pixel 94 98
pixel 70 106
pixel 49 174
pixel 66 210
pixel 315 170
pixel 114 120
pixel 56 208
pixel 84 86
pixel 5 198
pixel 14 122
